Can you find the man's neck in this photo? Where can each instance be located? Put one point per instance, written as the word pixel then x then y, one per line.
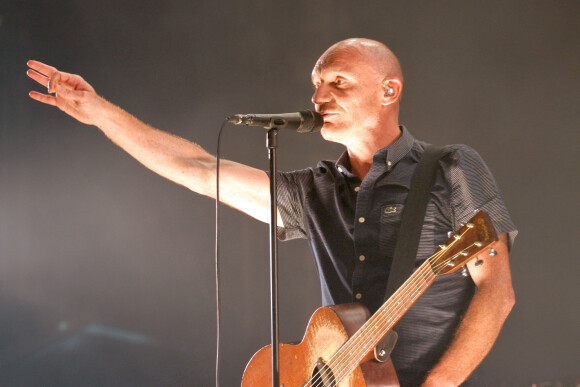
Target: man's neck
pixel 361 154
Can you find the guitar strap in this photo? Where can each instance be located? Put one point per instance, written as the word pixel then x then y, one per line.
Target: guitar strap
pixel 409 234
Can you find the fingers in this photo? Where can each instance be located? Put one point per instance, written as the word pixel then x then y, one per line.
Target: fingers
pixel 44 74
pixel 41 68
pixel 38 77
pixel 40 73
pixel 49 82
pixel 47 99
pixel 73 94
pixel 59 91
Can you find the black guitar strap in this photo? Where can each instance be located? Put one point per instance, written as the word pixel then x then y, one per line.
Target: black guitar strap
pixel 409 234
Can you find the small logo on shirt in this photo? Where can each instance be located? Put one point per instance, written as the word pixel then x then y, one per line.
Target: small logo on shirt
pixel 390 210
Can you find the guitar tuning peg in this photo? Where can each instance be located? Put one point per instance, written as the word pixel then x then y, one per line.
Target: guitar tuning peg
pixel 478 261
pixel 464 272
pixel 449 233
pixel 492 252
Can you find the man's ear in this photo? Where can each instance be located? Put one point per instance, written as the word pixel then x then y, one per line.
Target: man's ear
pixel 393 88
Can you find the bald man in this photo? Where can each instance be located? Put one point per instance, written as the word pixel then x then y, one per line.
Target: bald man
pixel 349 209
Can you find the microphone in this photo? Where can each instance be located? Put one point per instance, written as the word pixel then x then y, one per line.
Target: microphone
pixel 305 121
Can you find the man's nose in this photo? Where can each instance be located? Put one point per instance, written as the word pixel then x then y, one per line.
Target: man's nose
pixel 321 95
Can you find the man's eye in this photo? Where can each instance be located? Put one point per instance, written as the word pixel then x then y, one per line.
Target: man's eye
pixel 340 82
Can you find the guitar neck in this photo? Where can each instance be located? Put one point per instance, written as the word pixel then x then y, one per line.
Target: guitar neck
pixel 399 303
pixel 371 333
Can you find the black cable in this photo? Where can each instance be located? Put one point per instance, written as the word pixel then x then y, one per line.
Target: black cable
pixel 217 271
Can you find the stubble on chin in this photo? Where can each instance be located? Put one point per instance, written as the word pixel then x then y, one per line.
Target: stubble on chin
pixel 330 132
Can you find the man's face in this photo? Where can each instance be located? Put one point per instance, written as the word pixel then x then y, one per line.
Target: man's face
pixel 348 93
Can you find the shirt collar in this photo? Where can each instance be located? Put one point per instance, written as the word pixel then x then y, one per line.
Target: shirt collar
pixel 389 155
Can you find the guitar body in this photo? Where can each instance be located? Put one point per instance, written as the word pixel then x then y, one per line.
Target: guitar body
pixel 328 329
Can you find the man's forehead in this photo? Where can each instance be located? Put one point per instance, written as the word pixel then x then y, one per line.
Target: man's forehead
pixel 322 67
pixel 337 61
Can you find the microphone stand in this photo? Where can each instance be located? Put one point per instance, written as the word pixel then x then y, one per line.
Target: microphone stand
pixel 272 144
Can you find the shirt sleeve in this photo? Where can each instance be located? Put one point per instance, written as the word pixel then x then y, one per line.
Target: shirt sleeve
pixel 291 188
pixel 474 188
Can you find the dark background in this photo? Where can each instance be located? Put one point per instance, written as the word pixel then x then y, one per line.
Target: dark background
pixel 106 269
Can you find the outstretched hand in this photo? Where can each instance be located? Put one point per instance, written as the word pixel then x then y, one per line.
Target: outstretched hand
pixel 72 94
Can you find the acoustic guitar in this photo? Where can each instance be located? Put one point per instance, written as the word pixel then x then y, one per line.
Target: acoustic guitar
pixel 338 348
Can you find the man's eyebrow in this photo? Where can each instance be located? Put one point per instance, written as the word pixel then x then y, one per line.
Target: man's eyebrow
pixel 332 73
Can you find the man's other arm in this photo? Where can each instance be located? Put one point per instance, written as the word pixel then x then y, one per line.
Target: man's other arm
pixel 175 158
pixel 483 319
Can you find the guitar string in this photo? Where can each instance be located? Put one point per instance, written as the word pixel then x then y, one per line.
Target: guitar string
pixel 373 328
pixel 356 337
pixel 372 335
pixel 385 319
pixel 360 334
pixel 345 350
pixel 398 294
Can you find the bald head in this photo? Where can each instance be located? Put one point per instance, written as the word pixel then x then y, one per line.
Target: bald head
pixel 357 89
pixel 380 58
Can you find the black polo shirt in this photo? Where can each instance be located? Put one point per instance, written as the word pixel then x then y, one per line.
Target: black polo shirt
pixel 351 226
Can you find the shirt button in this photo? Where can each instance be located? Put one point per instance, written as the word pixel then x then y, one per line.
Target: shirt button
pixel 358 296
pixel 339 169
pixel 361 220
pixel 356 189
pixel 362 258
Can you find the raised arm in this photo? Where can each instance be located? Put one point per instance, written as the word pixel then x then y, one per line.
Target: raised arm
pixel 177 159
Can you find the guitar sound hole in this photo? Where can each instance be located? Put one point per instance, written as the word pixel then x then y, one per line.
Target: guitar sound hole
pixel 322 375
